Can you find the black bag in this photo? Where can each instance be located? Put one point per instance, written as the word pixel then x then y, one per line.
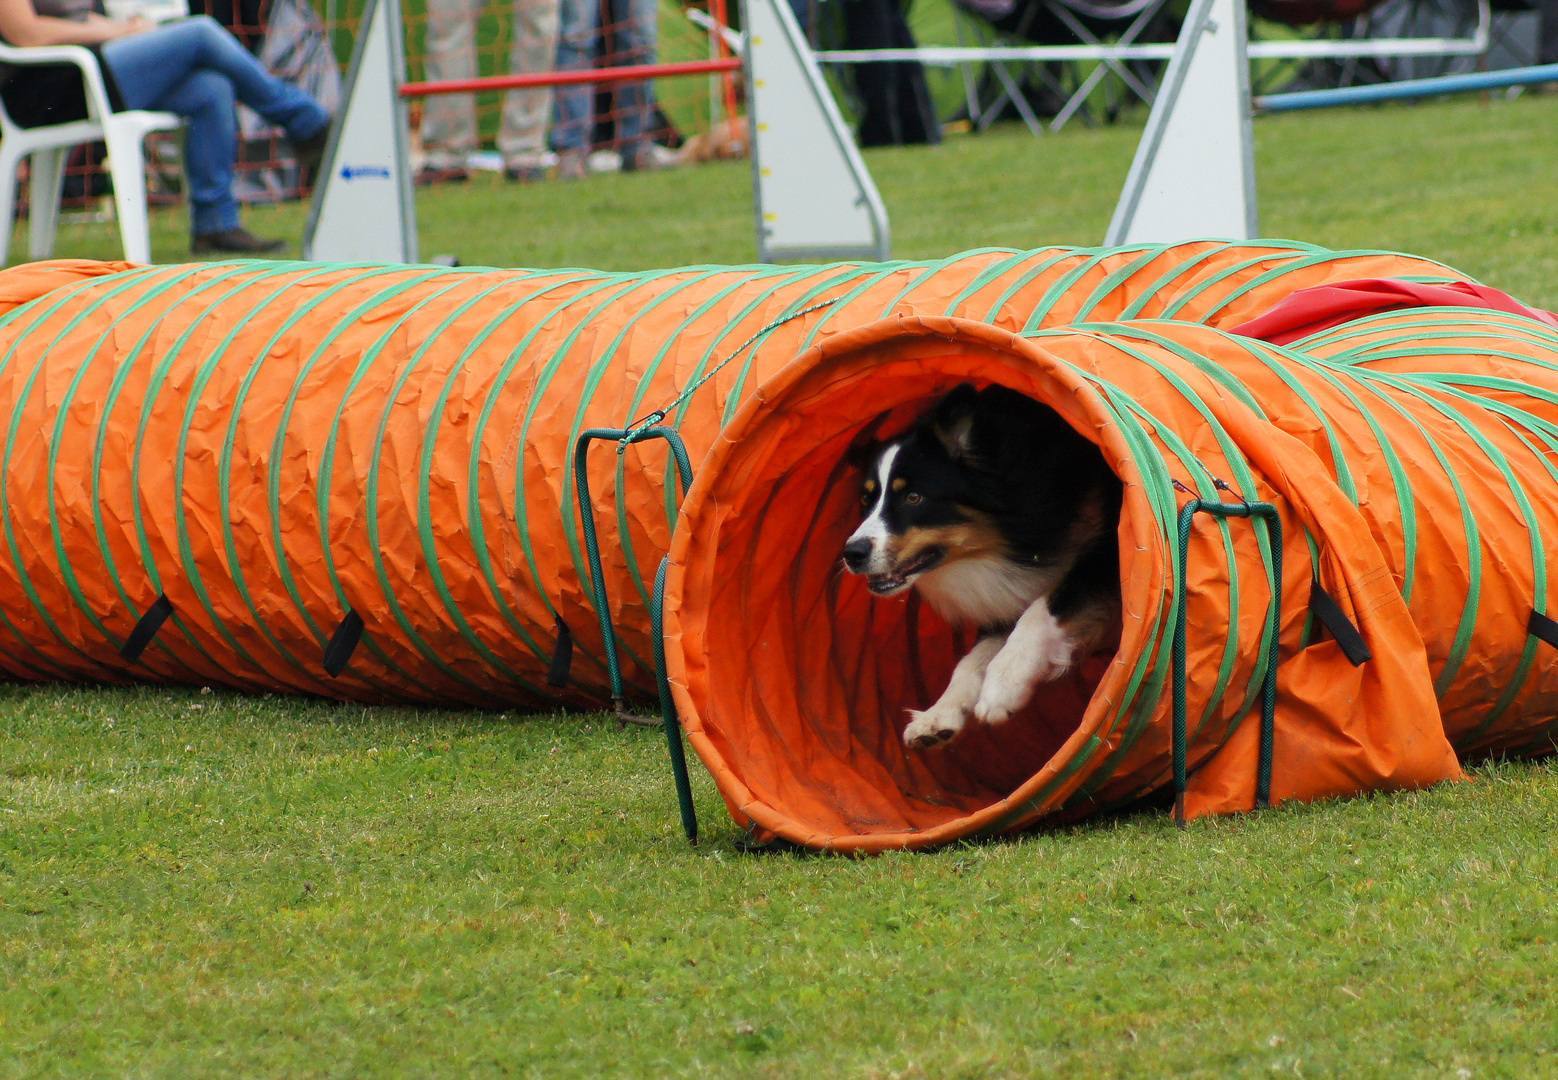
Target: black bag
pixel 37 95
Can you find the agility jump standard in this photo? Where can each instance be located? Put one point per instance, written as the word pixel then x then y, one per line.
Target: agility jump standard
pixel 813 195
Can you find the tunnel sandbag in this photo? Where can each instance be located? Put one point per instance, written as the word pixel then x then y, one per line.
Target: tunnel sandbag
pixel 355 480
pixel 1410 456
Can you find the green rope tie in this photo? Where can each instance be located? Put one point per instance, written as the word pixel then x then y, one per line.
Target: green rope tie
pixel 636 430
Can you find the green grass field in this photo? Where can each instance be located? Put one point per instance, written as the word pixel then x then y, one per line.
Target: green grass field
pixel 1467 182
pixel 208 885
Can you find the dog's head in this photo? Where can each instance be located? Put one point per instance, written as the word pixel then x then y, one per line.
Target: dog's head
pixel 925 497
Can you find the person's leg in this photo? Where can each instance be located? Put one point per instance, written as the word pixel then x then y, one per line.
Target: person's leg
pixel 637 34
pixel 574 114
pixel 1547 13
pixel 522 136
pixel 150 66
pixel 210 148
pixel 866 26
pixel 917 119
pixel 167 71
pixel 449 120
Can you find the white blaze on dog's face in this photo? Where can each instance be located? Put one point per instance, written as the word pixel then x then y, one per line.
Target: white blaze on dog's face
pixel 874 531
pixel 915 521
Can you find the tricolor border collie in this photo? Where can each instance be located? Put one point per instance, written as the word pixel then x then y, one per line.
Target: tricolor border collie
pixel 1003 517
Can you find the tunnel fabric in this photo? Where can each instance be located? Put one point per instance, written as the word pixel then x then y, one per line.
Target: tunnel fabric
pixel 275 449
pixel 272 445
pixel 1410 455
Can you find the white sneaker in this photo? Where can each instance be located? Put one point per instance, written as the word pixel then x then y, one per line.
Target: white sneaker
pixel 604 161
pixel 651 155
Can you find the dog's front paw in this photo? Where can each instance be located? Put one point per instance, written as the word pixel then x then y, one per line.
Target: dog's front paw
pixel 1000 697
pixel 1012 677
pixel 933 727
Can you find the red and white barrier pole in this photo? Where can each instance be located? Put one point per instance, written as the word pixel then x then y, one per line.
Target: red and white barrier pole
pixel 630 73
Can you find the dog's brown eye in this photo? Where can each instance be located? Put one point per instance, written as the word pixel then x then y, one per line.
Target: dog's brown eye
pixel 865 498
pixel 912 497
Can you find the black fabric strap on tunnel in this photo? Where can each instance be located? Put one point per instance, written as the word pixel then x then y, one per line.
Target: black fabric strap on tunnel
pixel 146 629
pixel 1541 626
pixel 562 656
pixel 338 653
pixel 1330 613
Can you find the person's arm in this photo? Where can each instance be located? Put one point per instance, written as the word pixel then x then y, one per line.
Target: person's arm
pixel 22 26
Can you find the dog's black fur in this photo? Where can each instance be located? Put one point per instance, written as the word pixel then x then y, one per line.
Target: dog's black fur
pixel 1016 463
pixel 1035 476
pixel 990 505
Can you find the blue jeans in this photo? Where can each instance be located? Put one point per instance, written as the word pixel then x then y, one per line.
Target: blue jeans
pixel 636 33
pixel 196 68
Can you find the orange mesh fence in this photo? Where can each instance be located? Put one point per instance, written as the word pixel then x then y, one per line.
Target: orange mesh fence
pixel 477 38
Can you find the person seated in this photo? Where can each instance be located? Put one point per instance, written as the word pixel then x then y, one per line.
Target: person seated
pixel 192 67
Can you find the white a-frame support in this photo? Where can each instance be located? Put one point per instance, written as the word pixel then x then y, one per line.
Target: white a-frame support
pixel 1194 172
pixel 813 194
pixel 363 209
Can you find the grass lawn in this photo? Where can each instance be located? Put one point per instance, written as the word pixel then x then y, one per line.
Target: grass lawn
pixel 1468 182
pixel 208 885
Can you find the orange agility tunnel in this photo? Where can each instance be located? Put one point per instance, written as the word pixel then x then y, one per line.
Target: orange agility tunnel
pixel 1409 455
pixel 356 481
pixel 218 473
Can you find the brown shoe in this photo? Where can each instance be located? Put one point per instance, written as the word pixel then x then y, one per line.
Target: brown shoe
pixel 235 241
pixel 310 152
pixel 427 176
pixel 570 165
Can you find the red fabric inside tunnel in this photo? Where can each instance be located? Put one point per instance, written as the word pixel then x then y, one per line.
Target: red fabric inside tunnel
pixel 1310 311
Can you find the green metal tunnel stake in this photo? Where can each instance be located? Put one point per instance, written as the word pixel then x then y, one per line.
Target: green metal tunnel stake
pixel 624 437
pixel 672 723
pixel 642 430
pixel 1268 707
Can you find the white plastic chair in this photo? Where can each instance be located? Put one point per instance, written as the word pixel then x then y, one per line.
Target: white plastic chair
pixel 124 133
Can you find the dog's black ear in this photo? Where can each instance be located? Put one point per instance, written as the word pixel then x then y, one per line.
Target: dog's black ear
pixel 953 421
pixel 866 445
pixel 863 450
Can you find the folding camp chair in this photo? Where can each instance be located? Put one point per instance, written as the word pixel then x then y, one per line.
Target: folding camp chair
pixel 124 133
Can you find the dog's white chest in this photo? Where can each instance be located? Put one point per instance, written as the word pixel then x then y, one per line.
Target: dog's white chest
pixel 986 591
